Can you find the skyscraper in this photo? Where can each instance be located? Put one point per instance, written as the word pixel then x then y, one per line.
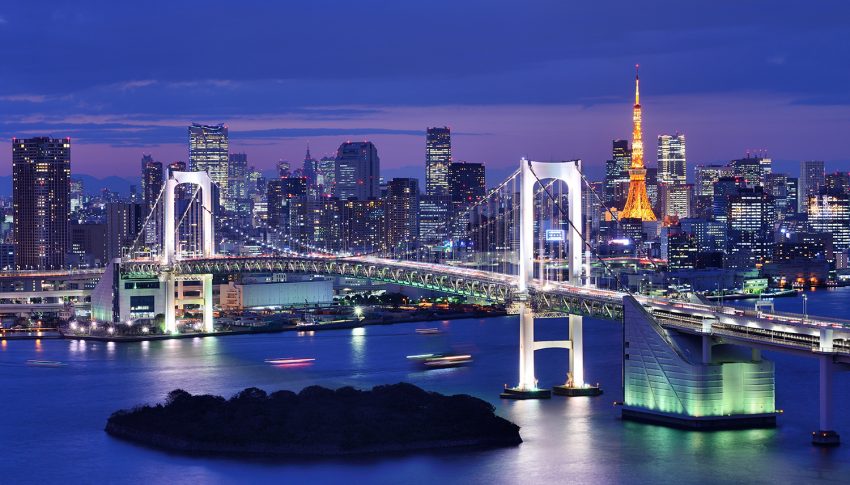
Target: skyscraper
pixel 41 188
pixel 326 175
pixel 311 166
pixel 238 183
pixel 357 171
pixel 208 151
pixel 617 174
pixel 438 156
pixel 152 182
pixel 672 167
pixel 466 182
pixel 402 213
pixel 812 178
pixel 638 205
pixel 829 214
pixel 749 221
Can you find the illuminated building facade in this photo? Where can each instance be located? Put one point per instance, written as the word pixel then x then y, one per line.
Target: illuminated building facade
pixel 208 152
pixel 357 171
pixel 812 178
pixel 672 168
pixel 402 204
pixel 829 214
pixel 617 174
pixel 750 220
pixel 438 156
pixel 41 200
pixel 638 205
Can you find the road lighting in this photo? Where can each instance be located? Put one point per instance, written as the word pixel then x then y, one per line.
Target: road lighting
pixel 805 312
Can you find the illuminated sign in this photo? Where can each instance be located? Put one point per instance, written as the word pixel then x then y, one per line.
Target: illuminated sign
pixel 554 234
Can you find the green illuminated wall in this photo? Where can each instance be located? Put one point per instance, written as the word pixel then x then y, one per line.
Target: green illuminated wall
pixel 660 377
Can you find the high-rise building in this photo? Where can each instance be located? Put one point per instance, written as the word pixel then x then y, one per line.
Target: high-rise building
pixel 284 168
pixel 77 194
pixel 357 171
pixel 466 182
pixel 41 199
pixel 752 170
pixel 708 175
pixel 362 225
pixel 326 175
pixel 123 223
pixel 402 213
pixel 829 214
pixel 617 174
pixel 637 205
pixel 682 250
pixel 152 182
pixel 146 158
pixel 208 151
pixel 310 170
pixel 238 184
pixel 438 156
pixel 749 222
pixel 838 182
pixel 434 216
pixel 672 168
pixel 675 199
pixel 812 178
pixel 792 189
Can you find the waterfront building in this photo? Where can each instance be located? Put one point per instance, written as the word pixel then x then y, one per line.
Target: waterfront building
pixel 638 205
pixel 402 214
pixel 41 189
pixel 672 165
pixel 88 245
pixel 209 152
pixel 438 156
pixel 812 178
pixel 357 171
pixel 829 214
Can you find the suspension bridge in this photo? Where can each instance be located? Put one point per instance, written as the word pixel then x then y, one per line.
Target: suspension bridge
pixel 685 363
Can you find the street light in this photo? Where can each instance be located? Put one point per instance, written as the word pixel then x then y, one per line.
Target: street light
pixel 805 312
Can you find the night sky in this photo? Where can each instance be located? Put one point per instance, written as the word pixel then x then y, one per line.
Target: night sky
pixel 548 80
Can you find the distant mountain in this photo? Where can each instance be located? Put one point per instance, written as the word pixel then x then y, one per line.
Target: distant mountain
pixel 91 185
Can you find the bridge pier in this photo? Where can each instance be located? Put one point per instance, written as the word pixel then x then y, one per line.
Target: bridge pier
pixel 575 385
pixel 826 435
pixel 170 303
pixel 208 302
pixel 527 387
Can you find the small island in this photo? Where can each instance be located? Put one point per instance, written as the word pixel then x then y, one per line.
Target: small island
pixel 315 421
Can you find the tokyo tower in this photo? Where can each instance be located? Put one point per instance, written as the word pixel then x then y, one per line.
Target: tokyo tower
pixel 637 203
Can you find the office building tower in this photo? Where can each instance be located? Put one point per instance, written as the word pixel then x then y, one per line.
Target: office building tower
pixel 838 182
pixel 675 199
pixel 752 170
pixel 357 171
pixel 77 195
pixel 617 174
pixel 672 168
pixel 208 151
pixel 829 214
pixel 284 168
pixel 681 249
pixel 710 235
pixel 152 181
pixel 402 214
pixel 123 223
pixel 638 205
pixel 362 225
pixel 41 199
pixel 724 188
pixel 466 182
pixel 238 175
pixel 706 176
pixel 812 178
pixel 146 158
pixel 792 189
pixel 438 156
pixel 88 245
pixel 434 215
pixel 749 228
pixel 326 175
pixel 310 169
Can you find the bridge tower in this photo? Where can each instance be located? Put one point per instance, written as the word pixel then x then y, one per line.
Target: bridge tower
pixel 169 253
pixel 570 173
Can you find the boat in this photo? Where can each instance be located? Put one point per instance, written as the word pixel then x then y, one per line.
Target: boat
pixel 428 331
pixel 290 361
pixel 45 363
pixel 441 361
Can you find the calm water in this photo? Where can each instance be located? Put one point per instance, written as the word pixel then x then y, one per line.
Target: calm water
pixel 53 418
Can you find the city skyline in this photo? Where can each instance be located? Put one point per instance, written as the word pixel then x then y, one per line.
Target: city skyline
pixel 532 105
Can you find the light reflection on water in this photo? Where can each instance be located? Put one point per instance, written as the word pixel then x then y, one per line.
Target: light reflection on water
pixel 61 412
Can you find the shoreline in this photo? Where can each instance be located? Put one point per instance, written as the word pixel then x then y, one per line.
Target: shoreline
pixel 291 328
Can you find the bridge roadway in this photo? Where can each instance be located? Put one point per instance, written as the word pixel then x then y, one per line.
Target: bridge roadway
pixel 726 324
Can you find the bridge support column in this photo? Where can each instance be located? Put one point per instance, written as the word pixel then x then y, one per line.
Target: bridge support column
pixel 826 436
pixel 170 304
pixel 208 302
pixel 575 385
pixel 706 349
pixel 527 387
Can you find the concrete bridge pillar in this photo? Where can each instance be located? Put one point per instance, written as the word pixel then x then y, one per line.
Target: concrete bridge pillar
pixel 826 435
pixel 706 349
pixel 826 340
pixel 170 304
pixel 576 351
pixel 208 302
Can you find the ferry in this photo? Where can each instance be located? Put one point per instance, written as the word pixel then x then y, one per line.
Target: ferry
pixel 441 361
pixel 45 363
pixel 428 331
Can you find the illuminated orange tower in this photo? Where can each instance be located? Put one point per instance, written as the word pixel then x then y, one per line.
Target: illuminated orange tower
pixel 637 203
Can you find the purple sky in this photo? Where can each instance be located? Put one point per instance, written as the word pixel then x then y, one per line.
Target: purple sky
pixel 546 80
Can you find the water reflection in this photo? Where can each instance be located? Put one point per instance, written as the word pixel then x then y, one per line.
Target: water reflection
pixel 358 346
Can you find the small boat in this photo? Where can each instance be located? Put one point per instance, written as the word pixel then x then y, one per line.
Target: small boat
pixel 441 361
pixel 45 363
pixel 428 331
pixel 290 361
